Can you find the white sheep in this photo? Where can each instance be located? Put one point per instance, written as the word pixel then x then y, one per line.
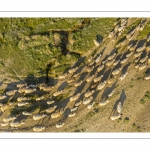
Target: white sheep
pixel 142 66
pixel 128 55
pixel 76 75
pixel 111 80
pixel 91 105
pixel 101 85
pixel 60 124
pixel 73 70
pixel 110 62
pixel 63 76
pixel 38 128
pixel 4 124
pixel 3 96
pixel 21 85
pixel 89 78
pixel 123 76
pixel 87 100
pixel 116 71
pixel 143 59
pixel 20 99
pixel 58 93
pixel 90 59
pixel 40 98
pixel 23 104
pixel 75 97
pixel 147 77
pixel 4 107
pixel 16 124
pixel 124 61
pixel 111 34
pixel 10 93
pixel 72 114
pixel 74 109
pixel 50 102
pixel 9 118
pixel 22 89
pixel 116 62
pixel 39 116
pixel 51 109
pixel 136 66
pixel 57 114
pixel 103 103
pixel 100 68
pixel 98 79
pixel 26 113
pixel 98 58
pixel 89 93
pixel 111 94
pixel 78 103
pixel 47 88
pixel 119 108
pixel 112 56
pixel 116 116
pixel 29 90
pixel 90 69
pixel 78 83
pixel 140 49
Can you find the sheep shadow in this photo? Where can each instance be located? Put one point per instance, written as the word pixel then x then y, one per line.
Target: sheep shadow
pixel 81 87
pixel 65 114
pixel 140 43
pixel 78 62
pixel 79 70
pixel 62 86
pixel 83 76
pixel 101 72
pixel 94 71
pixel 125 68
pixel 121 99
pixel 106 75
pixel 95 95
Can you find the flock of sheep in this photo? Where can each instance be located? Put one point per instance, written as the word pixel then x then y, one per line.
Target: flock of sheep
pixel 97 80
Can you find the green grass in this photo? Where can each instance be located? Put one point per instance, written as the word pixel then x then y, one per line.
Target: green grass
pixel 145 98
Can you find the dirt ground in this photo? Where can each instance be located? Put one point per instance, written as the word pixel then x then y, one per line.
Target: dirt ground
pixel 135 115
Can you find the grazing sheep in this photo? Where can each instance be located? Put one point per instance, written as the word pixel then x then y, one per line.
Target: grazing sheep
pixel 120 29
pixel 50 102
pixel 91 105
pixel 103 62
pixel 111 80
pixel 116 116
pixel 141 27
pixel 130 45
pixel 98 58
pixel 110 62
pixel 111 94
pixel 89 93
pixel 73 70
pixel 98 79
pixel 112 56
pixel 143 59
pixel 129 39
pixel 38 128
pixel 89 78
pixel 51 109
pixel 10 93
pixel 38 116
pixel 20 99
pixel 71 80
pixel 128 55
pixel 57 114
pixel 39 98
pixel 103 103
pixel 74 109
pixel 76 75
pixel 26 113
pixel 32 86
pixel 58 93
pixel 47 88
pixel 3 96
pixel 123 61
pixel 101 85
pixel 132 48
pixel 148 48
pixel 9 118
pixel 22 89
pixel 123 76
pixel 116 62
pixel 72 114
pixel 142 66
pixel 77 104
pixel 78 84
pixel 75 97
pixel 4 124
pixel 116 71
pixel 63 76
pixel 60 124
pixel 21 85
pixel 23 104
pixel 100 68
pixel 140 49
pixel 119 108
pixel 30 90
pixel 90 69
pixel 16 124
pixel 148 38
pixel 87 100
pixel 90 59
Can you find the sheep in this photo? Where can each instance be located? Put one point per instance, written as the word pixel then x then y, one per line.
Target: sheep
pixel 1 104
pixel 136 66
pixel 22 89
pixel 130 34
pixel 111 94
pixel 90 59
pixel 98 79
pixel 119 108
pixel 130 45
pixel 140 49
pixel 104 61
pixel 148 38
pixel 110 62
pixel 29 90
pixel 77 104
pixel 98 58
pixel 72 70
pixel 38 128
pixel 112 56
pixel 74 109
pixel 23 104
pixel 63 76
pixel 96 43
pixel 20 99
pixel 148 60
pixel 123 42
pixel 101 85
pixel 123 76
pixel 103 103
pixel 9 118
pixel 132 48
pixel 26 113
pixel 87 100
pixel 89 93
pixel 141 27
pixel 148 48
pixel 3 96
pixel 57 114
pixel 60 124
pixel 142 66
pixel 4 107
pixel 147 77
pixel 50 102
pixel 130 38
pixel 89 78
pixel 94 85
pixel 51 109
pixel 16 124
pixel 47 88
pixel 91 105
pixel 71 80
pixel 116 62
pixel 111 34
pixel 91 63
pixel 76 75
pixel 39 116
pixel 120 29
pixel 143 59
pixel 116 116
pixel 78 84
pixel 129 54
pixel 123 61
pixel 58 93
pixel 32 86
pixel 10 93
pixel 90 69
pixel 21 85
pixel 4 124
pixel 72 114
pixel 75 97
pixel 111 80
pixel 39 98
pixel 100 68
pixel 116 71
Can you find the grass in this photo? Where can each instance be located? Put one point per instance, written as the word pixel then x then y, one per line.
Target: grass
pixel 126 120
pixel 145 98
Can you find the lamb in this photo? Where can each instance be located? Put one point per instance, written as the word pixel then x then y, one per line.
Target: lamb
pixel 78 84
pixel 98 58
pixel 116 71
pixel 60 124
pixel 116 62
pixel 87 100
pixel 100 68
pixel 89 78
pixel 39 116
pixel 57 114
pixel 101 85
pixel 123 76
pixel 51 109
pixel 10 93
pixel 75 97
pixel 38 128
pixel 98 79
pixel 89 93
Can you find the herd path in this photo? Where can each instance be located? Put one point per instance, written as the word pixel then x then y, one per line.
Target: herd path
pixel 130 91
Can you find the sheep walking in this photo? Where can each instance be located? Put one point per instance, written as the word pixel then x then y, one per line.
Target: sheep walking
pixel 89 78
pixel 39 116
pixel 10 93
pixel 26 113
pixel 78 83
pixel 89 93
pixel 57 114
pixel 87 100
pixel 104 102
pixel 98 79
pixel 101 85
pixel 75 97
pixel 116 71
pixel 122 77
pixel 116 116
pixel 38 128
pixel 16 124
pixel 51 109
pixel 60 124
pixel 50 102
pixel 100 68
pixel 91 105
